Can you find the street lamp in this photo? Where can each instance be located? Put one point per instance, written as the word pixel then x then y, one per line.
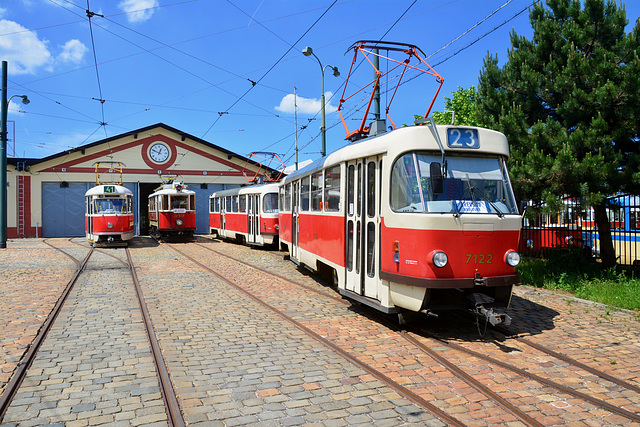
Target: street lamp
pixel 307 51
pixel 4 106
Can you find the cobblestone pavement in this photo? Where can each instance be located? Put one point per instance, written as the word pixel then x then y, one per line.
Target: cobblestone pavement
pixel 95 366
pixel 234 362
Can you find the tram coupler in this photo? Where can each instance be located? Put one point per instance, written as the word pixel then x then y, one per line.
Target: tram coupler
pixel 493 317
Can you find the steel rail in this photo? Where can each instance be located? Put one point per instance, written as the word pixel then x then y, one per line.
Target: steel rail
pixel 570 361
pixel 403 391
pixel 21 370
pixel 568 390
pixel 174 414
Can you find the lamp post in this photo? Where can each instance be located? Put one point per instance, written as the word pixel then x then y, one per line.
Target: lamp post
pixel 4 106
pixel 307 51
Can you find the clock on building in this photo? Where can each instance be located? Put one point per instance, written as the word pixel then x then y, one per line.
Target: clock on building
pixel 159 152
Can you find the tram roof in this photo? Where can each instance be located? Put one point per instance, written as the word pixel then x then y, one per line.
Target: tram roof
pixel 410 138
pixel 257 188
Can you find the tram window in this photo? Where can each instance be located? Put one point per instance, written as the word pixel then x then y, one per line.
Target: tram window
pixel 234 203
pixel 270 203
pixel 350 188
pixel 304 194
pixel 287 197
pixel 332 189
pixel 316 191
pixel 350 245
pixel 371 189
pixel 371 240
pixel 358 247
pixel 179 202
pixel 359 191
pixel 243 203
pixel 472 184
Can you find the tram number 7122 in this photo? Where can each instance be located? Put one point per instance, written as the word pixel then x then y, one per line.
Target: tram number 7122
pixel 479 258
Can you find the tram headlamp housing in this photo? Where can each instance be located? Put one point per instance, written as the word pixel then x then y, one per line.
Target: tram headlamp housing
pixel 109 225
pixel 179 222
pixel 512 258
pixel 439 259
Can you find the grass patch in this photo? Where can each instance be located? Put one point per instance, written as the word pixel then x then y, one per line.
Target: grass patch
pixel 569 271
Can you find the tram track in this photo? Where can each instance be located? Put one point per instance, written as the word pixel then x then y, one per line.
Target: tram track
pixel 174 415
pixel 415 337
pixel 403 391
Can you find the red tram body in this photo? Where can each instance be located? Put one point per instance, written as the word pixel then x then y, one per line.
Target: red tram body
pixel 248 214
pixel 109 214
pixel 172 212
pixel 421 218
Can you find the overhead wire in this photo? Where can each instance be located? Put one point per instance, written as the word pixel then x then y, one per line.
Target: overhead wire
pixel 95 61
pixel 273 66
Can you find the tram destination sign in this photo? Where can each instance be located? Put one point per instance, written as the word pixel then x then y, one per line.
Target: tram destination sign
pixel 462 138
pixel 109 189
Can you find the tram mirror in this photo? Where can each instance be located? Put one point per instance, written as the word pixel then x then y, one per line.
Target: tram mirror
pixel 435 172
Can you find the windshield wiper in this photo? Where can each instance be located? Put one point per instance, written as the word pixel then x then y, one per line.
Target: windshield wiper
pixel 474 191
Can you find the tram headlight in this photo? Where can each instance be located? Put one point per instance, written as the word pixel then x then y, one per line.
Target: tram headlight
pixel 109 225
pixel 512 258
pixel 570 240
pixel 179 222
pixel 439 259
pixel 529 244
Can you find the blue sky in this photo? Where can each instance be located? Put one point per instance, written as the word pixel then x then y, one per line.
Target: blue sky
pixel 192 64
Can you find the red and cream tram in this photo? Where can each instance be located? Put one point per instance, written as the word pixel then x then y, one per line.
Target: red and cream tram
pixel 172 212
pixel 109 214
pixel 247 214
pixel 421 218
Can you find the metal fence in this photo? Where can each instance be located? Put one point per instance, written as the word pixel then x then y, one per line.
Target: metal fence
pixel 575 227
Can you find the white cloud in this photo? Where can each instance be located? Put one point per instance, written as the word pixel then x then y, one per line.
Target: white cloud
pixel 138 10
pixel 305 105
pixel 73 51
pixel 3 11
pixel 21 48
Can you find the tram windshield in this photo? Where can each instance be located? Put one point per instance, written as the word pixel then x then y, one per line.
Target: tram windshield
pixel 470 185
pixel 270 203
pixel 179 202
pixel 110 206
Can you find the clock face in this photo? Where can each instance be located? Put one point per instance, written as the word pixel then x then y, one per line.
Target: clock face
pixel 159 153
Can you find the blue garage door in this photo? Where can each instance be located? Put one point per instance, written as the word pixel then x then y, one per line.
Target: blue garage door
pixel 63 208
pixel 202 204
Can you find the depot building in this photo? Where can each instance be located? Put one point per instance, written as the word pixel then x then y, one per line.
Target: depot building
pixel 45 197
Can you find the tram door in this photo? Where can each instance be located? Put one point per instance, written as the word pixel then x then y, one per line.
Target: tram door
pixel 253 216
pixel 223 210
pixel 295 208
pixel 363 227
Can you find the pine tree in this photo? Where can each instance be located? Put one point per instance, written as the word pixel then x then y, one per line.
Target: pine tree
pixel 569 102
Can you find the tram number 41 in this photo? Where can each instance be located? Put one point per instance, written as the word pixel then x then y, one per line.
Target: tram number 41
pixel 479 258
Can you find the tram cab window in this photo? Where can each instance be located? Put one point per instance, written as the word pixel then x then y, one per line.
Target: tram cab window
pixel 471 185
pixel 332 189
pixel 178 202
pixel 316 191
pixel 304 194
pixel 270 203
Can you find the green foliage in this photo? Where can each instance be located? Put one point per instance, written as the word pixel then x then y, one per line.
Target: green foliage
pixel 569 271
pixel 463 104
pixel 568 101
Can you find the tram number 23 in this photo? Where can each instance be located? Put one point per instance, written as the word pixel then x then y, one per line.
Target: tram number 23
pixel 479 258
